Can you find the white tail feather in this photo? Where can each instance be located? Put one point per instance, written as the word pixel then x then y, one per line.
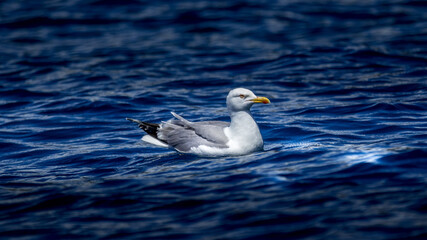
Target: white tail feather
pixel 152 140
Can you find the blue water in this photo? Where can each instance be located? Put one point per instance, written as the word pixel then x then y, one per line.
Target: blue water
pixel 345 136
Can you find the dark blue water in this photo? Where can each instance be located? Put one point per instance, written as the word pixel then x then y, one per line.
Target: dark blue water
pixel 345 136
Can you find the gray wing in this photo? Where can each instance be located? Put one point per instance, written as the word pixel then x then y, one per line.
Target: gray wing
pixel 183 135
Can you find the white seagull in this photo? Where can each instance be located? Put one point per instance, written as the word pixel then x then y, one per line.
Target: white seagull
pixel 211 138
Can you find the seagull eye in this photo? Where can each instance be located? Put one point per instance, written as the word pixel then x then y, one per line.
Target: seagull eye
pixel 242 96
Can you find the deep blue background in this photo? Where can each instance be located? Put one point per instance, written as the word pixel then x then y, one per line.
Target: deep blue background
pixel 345 136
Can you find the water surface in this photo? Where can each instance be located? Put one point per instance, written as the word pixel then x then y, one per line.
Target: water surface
pixel 345 136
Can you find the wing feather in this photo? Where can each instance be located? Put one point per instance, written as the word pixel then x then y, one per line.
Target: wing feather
pixel 183 134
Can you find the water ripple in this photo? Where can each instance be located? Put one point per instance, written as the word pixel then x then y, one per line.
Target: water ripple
pixel 345 135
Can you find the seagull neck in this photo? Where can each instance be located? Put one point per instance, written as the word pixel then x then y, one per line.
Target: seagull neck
pixel 241 120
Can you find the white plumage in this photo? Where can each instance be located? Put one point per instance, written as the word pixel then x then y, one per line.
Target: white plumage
pixel 212 138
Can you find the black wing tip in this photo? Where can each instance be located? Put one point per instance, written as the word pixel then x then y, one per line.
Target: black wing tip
pixel 150 128
pixel 133 120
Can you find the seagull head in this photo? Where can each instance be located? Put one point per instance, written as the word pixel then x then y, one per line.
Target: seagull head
pixel 242 99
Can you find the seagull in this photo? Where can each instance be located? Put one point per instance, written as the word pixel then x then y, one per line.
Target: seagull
pixel 241 136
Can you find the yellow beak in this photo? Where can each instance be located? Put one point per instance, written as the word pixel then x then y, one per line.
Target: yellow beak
pixel 260 100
